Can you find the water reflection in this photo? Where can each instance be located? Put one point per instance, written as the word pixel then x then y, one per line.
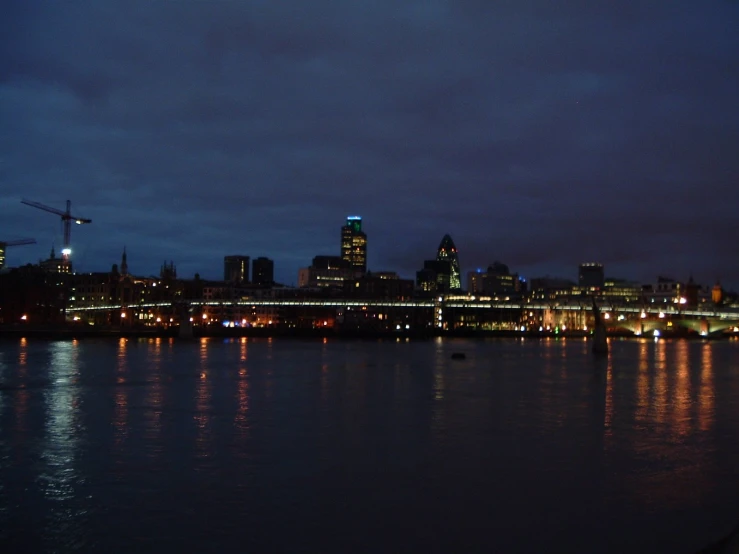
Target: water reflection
pixel 667 435
pixel 608 418
pixel 155 396
pixel 439 361
pixel 659 404
pixel 120 400
pixel 58 481
pixel 642 384
pixel 202 403
pixel 242 388
pixel 324 371
pixel 439 415
pixel 680 397
pixel 706 389
pixel 22 394
pixel 400 428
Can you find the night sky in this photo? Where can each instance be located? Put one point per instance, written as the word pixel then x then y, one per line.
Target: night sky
pixel 538 133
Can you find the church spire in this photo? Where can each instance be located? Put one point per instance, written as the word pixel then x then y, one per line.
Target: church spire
pixel 124 263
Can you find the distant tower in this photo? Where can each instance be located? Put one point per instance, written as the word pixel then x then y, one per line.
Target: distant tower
pixel 448 253
pixel 263 271
pixel 354 244
pixel 124 263
pixel 168 271
pixel 591 276
pixel 236 269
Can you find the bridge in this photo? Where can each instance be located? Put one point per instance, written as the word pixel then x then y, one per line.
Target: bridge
pixel 639 319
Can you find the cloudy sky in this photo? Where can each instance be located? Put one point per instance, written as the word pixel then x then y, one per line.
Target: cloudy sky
pixel 538 133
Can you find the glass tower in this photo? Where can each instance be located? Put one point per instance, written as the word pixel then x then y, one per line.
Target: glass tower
pixel 354 244
pixel 448 253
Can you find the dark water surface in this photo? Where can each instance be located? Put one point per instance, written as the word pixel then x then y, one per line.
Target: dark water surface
pixel 343 447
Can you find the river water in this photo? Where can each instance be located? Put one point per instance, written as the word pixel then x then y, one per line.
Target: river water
pixel 277 445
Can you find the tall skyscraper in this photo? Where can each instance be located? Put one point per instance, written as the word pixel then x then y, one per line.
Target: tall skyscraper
pixel 236 269
pixel 354 244
pixel 448 253
pixel 262 271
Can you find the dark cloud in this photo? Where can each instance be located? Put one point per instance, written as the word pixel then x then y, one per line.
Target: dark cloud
pixel 532 132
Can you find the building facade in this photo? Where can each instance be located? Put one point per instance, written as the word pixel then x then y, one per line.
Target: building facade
pixel 354 245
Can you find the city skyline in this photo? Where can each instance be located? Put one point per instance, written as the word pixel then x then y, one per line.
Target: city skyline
pixel 536 135
pixel 217 274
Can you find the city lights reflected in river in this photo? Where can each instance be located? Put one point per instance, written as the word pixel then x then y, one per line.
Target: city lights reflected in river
pixel 202 403
pixel 706 395
pixel 120 409
pixel 60 480
pixel 262 437
pixel 155 395
pixel 242 388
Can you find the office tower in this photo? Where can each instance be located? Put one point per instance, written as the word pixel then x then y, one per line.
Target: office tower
pixel 236 269
pixel 591 275
pixel 448 253
pixel 354 244
pixel 325 271
pixel 262 271
pixel 435 276
pixel 497 280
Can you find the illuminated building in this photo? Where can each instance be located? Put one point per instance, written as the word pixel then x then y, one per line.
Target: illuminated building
pixel 56 265
pixel 591 276
pixel 2 255
pixel 497 280
pixel 354 245
pixel 621 290
pixel 263 271
pixel 435 276
pixel 325 271
pixel 665 291
pixel 448 253
pixel 236 269
pixel 374 285
pixel 550 288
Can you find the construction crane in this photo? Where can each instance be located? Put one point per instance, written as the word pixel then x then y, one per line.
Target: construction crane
pixel 5 243
pixel 67 219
